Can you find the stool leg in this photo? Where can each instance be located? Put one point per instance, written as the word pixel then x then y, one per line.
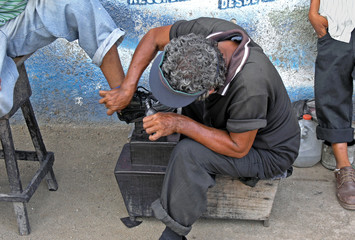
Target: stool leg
pixel 38 143
pixel 13 175
pixel 22 218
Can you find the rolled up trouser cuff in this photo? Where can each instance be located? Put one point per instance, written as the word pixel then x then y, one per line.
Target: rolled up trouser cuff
pixel 162 215
pixel 116 37
pixel 335 135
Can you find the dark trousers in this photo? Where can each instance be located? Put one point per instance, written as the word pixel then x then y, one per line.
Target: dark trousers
pixel 191 172
pixel 334 74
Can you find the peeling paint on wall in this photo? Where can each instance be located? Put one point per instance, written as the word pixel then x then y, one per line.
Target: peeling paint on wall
pixel 65 83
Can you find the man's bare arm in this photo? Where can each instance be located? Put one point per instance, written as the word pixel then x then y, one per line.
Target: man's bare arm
pixel 230 144
pixel 111 67
pixel 319 23
pixel 154 41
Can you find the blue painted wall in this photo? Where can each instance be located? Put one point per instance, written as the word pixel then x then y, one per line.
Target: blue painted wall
pixel 65 83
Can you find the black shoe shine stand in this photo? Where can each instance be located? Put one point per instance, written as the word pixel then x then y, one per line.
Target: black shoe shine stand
pixel 140 172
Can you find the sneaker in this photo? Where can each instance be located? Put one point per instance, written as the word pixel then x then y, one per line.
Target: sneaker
pixel 345 187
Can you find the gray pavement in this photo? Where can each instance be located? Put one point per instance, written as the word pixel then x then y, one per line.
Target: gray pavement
pixel 88 204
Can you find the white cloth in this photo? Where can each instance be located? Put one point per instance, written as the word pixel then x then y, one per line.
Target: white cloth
pixel 341 18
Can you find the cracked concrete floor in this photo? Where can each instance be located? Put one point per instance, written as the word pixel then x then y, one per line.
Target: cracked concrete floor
pixel 88 204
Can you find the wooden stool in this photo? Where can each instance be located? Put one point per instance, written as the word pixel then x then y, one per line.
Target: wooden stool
pixel 19 196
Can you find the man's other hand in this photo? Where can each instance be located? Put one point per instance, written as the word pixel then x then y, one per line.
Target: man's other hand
pixel 115 100
pixel 160 124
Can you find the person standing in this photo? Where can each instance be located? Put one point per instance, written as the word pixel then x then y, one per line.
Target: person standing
pixel 334 23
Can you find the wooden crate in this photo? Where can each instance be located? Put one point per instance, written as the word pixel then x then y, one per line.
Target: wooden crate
pixel 231 199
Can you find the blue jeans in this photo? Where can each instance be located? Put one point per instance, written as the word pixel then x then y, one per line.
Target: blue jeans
pixel 42 22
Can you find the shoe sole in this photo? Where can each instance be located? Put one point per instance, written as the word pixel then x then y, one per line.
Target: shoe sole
pixel 346 206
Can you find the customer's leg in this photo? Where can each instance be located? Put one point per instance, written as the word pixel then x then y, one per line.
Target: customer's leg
pixel 8 77
pixel 86 20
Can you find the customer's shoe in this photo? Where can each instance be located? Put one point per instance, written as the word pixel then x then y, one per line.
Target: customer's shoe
pixel 345 182
pixel 137 108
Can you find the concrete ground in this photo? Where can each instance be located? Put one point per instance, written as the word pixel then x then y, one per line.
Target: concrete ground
pixel 88 204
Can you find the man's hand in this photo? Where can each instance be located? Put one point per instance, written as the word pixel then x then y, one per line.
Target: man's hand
pixel 152 42
pixel 116 99
pixel 160 124
pixel 319 23
pixel 0 84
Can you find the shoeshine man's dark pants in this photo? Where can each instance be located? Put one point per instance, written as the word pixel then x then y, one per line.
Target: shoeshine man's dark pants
pixel 334 74
pixel 190 173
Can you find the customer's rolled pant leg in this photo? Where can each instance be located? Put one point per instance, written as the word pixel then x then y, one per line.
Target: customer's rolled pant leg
pixel 43 21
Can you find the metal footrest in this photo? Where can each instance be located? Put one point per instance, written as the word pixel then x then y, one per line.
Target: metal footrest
pixel 40 174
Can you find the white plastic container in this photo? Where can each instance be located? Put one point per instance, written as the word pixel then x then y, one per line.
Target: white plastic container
pixel 310 148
